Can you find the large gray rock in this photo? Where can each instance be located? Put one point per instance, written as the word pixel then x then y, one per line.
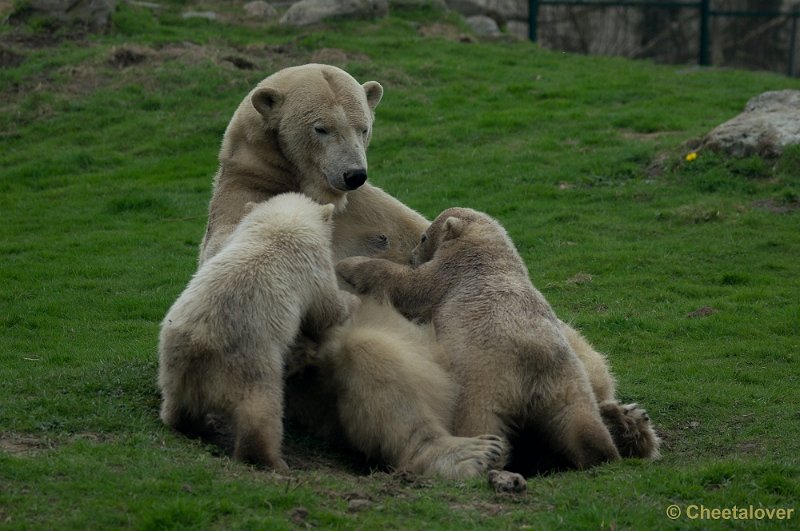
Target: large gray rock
pixel 307 12
pixel 500 10
pixel 94 14
pixel 416 4
pixel 769 123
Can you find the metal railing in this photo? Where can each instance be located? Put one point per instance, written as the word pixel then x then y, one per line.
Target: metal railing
pixel 705 14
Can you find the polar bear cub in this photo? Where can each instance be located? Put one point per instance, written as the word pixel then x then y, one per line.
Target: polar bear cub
pixel 224 342
pixel 509 355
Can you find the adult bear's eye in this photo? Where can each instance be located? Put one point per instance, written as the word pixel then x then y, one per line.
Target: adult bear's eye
pixel 320 130
pixel 424 238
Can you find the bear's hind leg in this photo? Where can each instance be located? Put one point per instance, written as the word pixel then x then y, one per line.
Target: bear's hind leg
pixel 172 414
pixel 631 429
pixel 395 403
pixel 258 427
pixel 579 433
pixel 477 414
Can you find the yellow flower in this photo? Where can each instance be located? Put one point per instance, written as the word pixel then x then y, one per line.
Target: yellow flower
pixel 691 156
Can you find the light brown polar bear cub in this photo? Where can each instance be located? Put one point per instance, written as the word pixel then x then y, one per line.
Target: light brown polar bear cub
pixel 306 129
pixel 508 352
pixel 224 342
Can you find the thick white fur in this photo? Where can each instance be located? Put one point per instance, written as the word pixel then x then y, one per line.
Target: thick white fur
pixel 224 342
pixel 271 146
pixel 509 356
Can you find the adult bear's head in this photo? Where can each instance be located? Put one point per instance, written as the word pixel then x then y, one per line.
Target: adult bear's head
pixel 322 119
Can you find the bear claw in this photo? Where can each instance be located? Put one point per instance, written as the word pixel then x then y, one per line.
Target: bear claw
pixel 631 429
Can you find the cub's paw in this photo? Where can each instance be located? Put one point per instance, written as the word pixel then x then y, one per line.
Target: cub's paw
pixel 631 429
pixel 351 304
pixel 461 457
pixel 353 271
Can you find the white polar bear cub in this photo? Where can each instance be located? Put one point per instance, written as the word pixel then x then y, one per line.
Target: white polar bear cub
pixel 224 343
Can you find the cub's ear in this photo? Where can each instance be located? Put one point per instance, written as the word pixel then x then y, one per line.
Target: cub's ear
pixel 374 92
pixel 453 227
pixel 266 101
pixel 326 211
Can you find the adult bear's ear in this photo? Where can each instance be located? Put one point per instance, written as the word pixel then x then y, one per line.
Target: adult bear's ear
pixel 374 92
pixel 453 227
pixel 266 101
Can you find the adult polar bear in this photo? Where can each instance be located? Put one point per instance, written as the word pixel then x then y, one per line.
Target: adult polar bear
pixel 306 129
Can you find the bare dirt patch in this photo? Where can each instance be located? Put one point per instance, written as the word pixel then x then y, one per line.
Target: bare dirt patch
pixel 128 55
pixel 445 31
pixel 118 65
pixel 629 134
pixel 703 311
pixel 776 207
pixel 29 444
pixel 337 57
pixel 9 58
pixel 580 278
pixel 24 445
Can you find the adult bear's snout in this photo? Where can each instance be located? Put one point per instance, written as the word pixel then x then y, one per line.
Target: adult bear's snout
pixel 354 178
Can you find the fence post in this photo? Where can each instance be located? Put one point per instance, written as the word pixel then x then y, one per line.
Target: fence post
pixel 704 56
pixel 792 43
pixel 533 19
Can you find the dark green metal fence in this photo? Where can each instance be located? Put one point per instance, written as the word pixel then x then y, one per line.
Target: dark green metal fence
pixel 705 14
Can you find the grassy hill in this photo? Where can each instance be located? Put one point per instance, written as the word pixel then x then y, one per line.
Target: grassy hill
pixel 684 273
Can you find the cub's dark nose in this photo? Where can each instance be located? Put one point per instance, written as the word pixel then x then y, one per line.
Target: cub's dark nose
pixel 354 178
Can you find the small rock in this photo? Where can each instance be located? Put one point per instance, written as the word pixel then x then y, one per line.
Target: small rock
pixel 505 481
pixel 148 5
pixel 307 12
pixel 483 25
pixel 260 9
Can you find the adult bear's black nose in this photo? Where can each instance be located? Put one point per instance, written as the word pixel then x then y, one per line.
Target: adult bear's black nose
pixel 354 178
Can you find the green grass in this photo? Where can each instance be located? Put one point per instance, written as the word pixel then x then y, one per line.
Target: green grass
pixel 105 177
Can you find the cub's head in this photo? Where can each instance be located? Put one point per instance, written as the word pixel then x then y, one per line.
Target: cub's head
pixel 296 211
pixel 322 118
pixel 445 231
